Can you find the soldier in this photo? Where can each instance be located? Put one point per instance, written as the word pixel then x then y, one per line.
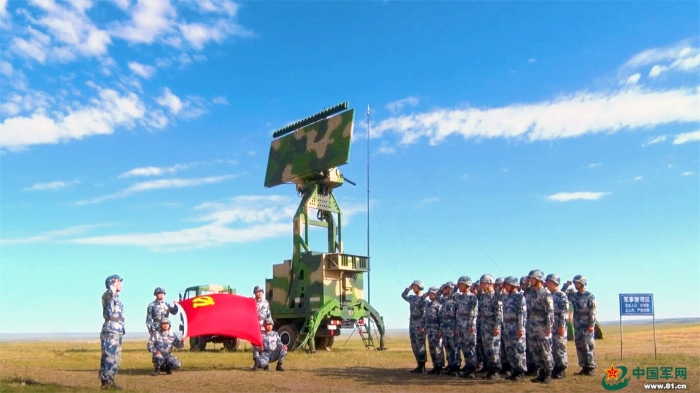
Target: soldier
pixel 528 293
pixel 514 322
pixel 158 310
pixel 501 294
pixel 559 328
pixel 112 332
pixel 272 349
pixel 431 328
pixel 540 320
pixel 490 320
pixel 523 284
pixel 263 315
pixel 448 326
pixel 416 309
pixel 476 290
pixel 467 309
pixel 585 313
pixel 161 345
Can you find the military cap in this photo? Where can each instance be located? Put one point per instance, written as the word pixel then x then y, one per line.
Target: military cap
pixel 512 280
pixel 268 321
pixel 158 290
pixel 433 290
pixel 486 278
pixel 419 283
pixel 257 289
pixel 164 321
pixel 110 279
pixel 477 282
pixel 523 280
pixel 553 278
pixel 449 284
pixel 499 280
pixel 466 280
pixel 581 279
pixel 537 275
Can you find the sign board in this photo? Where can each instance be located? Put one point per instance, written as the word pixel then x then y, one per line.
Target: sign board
pixel 636 304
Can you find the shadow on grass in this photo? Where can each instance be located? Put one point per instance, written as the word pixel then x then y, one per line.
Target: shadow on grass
pixel 399 377
pixel 20 384
pixel 148 371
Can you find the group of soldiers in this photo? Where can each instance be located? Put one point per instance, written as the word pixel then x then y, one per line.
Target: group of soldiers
pixel 162 341
pixel 502 326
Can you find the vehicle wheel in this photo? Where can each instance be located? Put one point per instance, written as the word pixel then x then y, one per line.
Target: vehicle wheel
pixel 324 342
pixel 288 334
pixel 231 345
pixel 198 343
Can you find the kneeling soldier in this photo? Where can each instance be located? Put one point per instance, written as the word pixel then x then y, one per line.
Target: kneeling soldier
pixel 272 349
pixel 160 345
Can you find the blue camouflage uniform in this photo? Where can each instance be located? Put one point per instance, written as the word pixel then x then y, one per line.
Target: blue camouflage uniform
pixel 561 320
pixel 528 293
pixel 467 306
pixel 272 350
pixel 540 320
pixel 514 320
pixel 500 293
pixel 490 319
pixel 417 305
pixel 431 323
pixel 112 332
pixel 585 314
pixel 264 314
pixel 479 345
pixel 448 327
pixel 164 341
pixel 157 311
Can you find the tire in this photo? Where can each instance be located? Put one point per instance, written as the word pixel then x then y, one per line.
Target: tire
pixel 288 334
pixel 198 343
pixel 324 342
pixel 231 345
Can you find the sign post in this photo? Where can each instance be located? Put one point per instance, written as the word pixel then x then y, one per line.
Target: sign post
pixel 637 304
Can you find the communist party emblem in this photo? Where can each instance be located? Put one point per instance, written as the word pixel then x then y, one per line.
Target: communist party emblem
pixel 202 301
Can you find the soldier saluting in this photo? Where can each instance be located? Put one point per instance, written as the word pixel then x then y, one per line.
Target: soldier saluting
pixel 416 324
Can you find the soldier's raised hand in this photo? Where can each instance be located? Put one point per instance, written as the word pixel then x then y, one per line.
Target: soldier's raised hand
pixel 568 282
pixel 561 331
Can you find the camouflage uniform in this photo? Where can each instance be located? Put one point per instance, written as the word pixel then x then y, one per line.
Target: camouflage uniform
pixel 264 314
pixel 528 292
pixel 561 320
pixel 163 341
pixel 431 323
pixel 514 320
pixel 490 318
pixel 479 346
pixel 416 323
pixel 540 320
pixel 157 311
pixel 500 293
pixel 272 350
pixel 448 327
pixel 467 307
pixel 585 313
pixel 112 333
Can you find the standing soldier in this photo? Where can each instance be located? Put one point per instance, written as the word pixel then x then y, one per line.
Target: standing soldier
pixel 559 328
pixel 528 292
pixel 415 326
pixel 476 290
pixel 501 294
pixel 585 313
pixel 272 349
pixel 467 309
pixel 431 328
pixel 490 320
pixel 540 321
pixel 161 346
pixel 158 310
pixel 112 332
pixel 514 322
pixel 263 315
pixel 448 326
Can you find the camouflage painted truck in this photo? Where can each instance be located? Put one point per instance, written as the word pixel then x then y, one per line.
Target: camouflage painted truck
pixel 314 293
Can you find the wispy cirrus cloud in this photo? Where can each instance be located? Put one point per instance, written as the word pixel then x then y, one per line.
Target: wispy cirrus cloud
pixel 54 235
pixel 142 70
pixel 687 137
pixel 683 56
pixel 655 140
pixel 573 196
pixel 53 185
pixel 427 201
pixel 594 165
pixel 397 106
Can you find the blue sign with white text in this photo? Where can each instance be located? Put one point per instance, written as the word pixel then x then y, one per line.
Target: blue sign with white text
pixel 636 304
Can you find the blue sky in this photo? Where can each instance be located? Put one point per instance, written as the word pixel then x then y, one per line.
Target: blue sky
pixel 504 137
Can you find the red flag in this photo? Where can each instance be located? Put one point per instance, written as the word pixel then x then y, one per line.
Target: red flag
pixel 222 314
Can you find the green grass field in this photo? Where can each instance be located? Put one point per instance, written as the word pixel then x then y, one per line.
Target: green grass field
pixel 72 367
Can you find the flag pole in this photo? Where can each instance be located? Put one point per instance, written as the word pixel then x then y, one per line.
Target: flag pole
pixel 369 270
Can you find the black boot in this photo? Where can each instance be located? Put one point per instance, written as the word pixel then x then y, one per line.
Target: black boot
pixel 590 371
pixel 583 371
pixel 491 374
pixel 531 370
pixel 156 371
pixel 420 369
pixel 547 376
pixel 168 370
pixel 279 367
pixel 435 370
pixel 539 378
pixel 265 368
pixel 468 373
pixel 559 372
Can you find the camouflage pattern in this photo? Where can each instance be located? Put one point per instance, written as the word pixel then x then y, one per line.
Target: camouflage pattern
pixel 156 311
pixel 490 318
pixel 540 320
pixel 272 350
pixel 299 156
pixel 263 315
pixel 561 320
pixel 431 325
pixel 514 320
pixel 467 308
pixel 164 341
pixel 529 293
pixel 417 304
pixel 111 334
pixel 585 315
pixel 448 326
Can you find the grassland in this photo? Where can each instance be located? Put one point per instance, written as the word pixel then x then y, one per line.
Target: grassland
pixel 72 367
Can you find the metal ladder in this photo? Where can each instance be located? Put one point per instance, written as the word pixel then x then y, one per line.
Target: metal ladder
pixel 365 332
pixel 304 336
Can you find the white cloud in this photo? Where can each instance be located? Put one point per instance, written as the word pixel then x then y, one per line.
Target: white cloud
pixel 427 201
pixel 655 140
pixel 687 173
pixel 149 21
pixel 687 137
pixel 218 6
pixel 638 178
pixel 632 80
pixel 143 70
pixel 682 56
pixel 54 185
pixel 594 165
pixel 387 150
pixel 532 60
pixel 159 184
pixel 156 171
pixel 52 235
pixel 572 196
pixel 397 106
pixel 656 71
pixel 220 100
pixel 122 4
pixel 564 117
pixel 170 100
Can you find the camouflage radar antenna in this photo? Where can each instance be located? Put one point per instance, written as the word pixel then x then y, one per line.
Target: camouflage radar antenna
pixel 315 293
